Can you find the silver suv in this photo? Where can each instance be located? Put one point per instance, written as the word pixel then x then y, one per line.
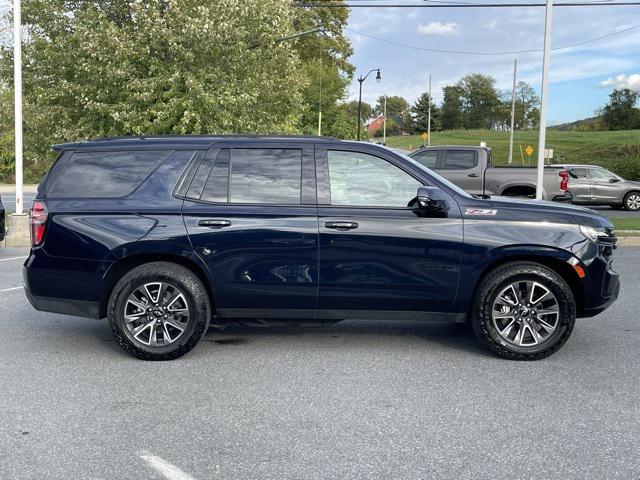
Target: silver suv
pixel 593 185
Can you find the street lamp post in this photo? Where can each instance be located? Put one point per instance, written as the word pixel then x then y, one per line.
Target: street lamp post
pixel 361 79
pixel 17 86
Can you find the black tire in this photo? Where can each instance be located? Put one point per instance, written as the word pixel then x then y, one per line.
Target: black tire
pixel 626 203
pixel 180 278
pixel 491 286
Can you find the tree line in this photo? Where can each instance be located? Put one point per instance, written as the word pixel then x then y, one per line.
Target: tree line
pixel 474 102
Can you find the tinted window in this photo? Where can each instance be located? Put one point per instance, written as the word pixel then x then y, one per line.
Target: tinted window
pixel 217 187
pixel 266 175
pixel 459 160
pixel 360 179
pixel 578 173
pixel 103 174
pixel 597 174
pixel 428 159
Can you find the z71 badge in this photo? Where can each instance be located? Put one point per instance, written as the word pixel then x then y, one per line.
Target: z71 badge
pixel 480 211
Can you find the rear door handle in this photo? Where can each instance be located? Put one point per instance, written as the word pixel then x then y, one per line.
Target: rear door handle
pixel 341 225
pixel 473 175
pixel 214 223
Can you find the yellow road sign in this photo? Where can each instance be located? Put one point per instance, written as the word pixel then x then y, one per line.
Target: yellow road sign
pixel 529 150
pixel 425 135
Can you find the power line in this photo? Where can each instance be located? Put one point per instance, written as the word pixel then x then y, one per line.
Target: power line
pixel 461 52
pixel 351 4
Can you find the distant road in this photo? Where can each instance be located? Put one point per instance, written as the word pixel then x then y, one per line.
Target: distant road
pixel 9 200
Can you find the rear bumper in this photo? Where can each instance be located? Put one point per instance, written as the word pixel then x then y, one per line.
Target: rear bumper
pixel 562 198
pixel 61 285
pixel 77 308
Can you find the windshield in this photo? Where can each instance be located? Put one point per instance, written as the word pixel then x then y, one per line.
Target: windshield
pixel 433 174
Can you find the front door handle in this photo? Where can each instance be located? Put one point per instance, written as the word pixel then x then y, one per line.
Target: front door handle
pixel 341 225
pixel 217 223
pixel 473 175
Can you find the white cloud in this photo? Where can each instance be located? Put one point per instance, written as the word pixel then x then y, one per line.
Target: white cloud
pixel 438 28
pixel 622 81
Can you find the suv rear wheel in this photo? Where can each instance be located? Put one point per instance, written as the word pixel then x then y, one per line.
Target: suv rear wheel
pixel 523 311
pixel 159 311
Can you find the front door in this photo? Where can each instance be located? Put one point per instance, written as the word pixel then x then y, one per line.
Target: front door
pixel 463 168
pixel 376 253
pixel 250 214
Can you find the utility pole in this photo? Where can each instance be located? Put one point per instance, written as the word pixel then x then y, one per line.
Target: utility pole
pixel 320 103
pixel 544 94
pixel 384 122
pixel 17 87
pixel 429 116
pixel 513 110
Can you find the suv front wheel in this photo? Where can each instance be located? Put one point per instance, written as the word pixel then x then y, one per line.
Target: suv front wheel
pixel 159 311
pixel 523 311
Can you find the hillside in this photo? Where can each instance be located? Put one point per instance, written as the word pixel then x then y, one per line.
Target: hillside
pixel 616 150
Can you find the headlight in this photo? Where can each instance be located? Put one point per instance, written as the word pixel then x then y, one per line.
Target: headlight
pixel 593 233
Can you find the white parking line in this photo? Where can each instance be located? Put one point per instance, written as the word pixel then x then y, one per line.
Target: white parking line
pixel 12 258
pixel 11 289
pixel 169 471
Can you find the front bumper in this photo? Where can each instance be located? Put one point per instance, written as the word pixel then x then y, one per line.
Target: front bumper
pixel 602 283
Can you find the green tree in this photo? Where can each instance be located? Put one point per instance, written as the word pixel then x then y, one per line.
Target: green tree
pixel 325 62
pixel 527 112
pixel 452 116
pixel 95 68
pixel 480 101
pixel 620 113
pixel 397 110
pixel 352 108
pixel 420 114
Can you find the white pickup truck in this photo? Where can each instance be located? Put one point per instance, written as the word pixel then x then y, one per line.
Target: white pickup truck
pixel 470 168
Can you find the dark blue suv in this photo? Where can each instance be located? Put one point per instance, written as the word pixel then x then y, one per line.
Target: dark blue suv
pixel 163 235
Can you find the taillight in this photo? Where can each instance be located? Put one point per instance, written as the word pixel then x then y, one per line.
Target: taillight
pixel 39 214
pixel 565 180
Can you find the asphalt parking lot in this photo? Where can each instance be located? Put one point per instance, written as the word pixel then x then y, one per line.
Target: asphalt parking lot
pixel 389 399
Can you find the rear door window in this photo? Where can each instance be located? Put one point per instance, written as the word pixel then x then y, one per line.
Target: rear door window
pixel 429 159
pixel 460 160
pixel 578 173
pixel 249 175
pixel 103 174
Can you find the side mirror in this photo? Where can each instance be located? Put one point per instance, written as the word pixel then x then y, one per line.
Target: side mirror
pixel 614 180
pixel 432 202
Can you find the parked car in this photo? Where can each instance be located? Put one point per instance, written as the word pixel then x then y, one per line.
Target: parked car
pixel 2 225
pixel 161 235
pixel 471 169
pixel 593 185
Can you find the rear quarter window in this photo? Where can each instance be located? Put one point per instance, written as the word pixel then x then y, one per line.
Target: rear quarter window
pixel 102 174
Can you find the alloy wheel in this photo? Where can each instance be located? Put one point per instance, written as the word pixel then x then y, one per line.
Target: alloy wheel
pixel 525 313
pixel 633 201
pixel 156 314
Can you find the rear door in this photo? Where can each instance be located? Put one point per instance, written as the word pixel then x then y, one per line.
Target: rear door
pixel 376 253
pixel 250 213
pixel 579 185
pixel 462 167
pixel 603 190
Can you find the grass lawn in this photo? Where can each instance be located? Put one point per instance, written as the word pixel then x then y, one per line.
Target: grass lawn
pixel 626 223
pixel 569 147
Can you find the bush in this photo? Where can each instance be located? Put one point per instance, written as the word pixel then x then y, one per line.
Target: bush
pixel 625 161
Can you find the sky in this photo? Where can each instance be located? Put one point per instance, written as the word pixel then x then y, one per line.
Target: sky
pixel 581 77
